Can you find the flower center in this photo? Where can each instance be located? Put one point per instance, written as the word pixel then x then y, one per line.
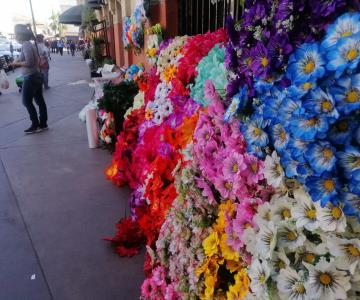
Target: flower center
pixel 346 33
pixel 352 96
pixel 357 162
pixel 286 213
pixel 257 131
pixel 235 168
pixel 311 122
pixel 233 108
pixel 309 66
pixel 307 86
pixel 311 214
pixel 328 154
pixel 254 167
pixel 283 135
pixel 351 54
pixel 329 185
pixel 309 258
pixel 352 250
pixel 325 279
pixel 342 126
pixel 336 213
pixel 262 279
pixel 228 185
pixel 207 136
pixel 300 289
pixel 248 61
pixel 281 264
pixel 247 225
pixel 292 236
pixel 326 105
pixel 264 62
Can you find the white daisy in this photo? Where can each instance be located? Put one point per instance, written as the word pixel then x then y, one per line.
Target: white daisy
pixel 249 238
pixel 274 173
pixel 309 252
pixel 305 211
pixel 281 208
pixel 346 252
pixel 259 273
pixel 325 282
pixel 263 214
pixel 332 218
pixel 266 240
pixel 291 285
pixel 290 236
pixel 279 261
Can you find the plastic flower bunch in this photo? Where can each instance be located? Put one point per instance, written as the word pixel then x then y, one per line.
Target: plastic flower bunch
pixel 312 122
pixel 169 59
pixel 223 271
pixel 107 131
pixel 154 39
pixel 134 72
pixel 211 67
pixel 301 250
pixel 133 28
pixel 179 246
pixel 260 46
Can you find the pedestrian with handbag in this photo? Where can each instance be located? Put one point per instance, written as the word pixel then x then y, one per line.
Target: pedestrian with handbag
pixel 32 85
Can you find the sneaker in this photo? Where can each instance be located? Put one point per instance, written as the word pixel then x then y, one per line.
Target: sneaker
pixel 32 129
pixel 43 127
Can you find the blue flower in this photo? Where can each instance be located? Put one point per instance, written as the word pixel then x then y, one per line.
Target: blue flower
pixel 347 93
pixel 349 160
pixel 297 148
pixel 280 137
pixel 321 157
pixel 352 204
pixel 346 25
pixel 255 150
pixel 288 108
pixel 341 131
pixel 304 170
pixel 301 89
pixel 354 186
pixel 345 56
pixel 306 64
pixel 289 164
pixel 357 135
pixel 238 102
pixel 254 132
pixel 307 126
pixel 323 188
pixel 322 103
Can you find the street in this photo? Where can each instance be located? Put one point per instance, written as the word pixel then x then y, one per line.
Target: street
pixel 55 202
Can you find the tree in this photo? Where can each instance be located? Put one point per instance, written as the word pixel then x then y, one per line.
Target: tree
pixel 55 25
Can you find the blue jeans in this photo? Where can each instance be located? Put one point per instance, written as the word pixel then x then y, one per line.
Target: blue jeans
pixel 45 74
pixel 32 89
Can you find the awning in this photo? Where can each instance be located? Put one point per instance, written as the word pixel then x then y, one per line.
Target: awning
pixel 72 16
pixel 94 4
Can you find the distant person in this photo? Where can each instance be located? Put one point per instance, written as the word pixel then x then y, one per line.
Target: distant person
pixel 12 49
pixel 32 85
pixel 54 46
pixel 44 65
pixel 72 48
pixel 60 45
pixel 47 44
pixel 68 47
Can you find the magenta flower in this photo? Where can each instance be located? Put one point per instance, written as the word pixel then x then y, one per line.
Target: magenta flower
pixel 148 288
pixel 206 190
pixel 233 165
pixel 204 134
pixel 254 171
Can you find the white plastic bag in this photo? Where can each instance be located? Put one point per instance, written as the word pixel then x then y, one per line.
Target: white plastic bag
pixel 4 82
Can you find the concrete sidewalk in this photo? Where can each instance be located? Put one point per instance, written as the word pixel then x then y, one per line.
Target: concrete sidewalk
pixel 55 203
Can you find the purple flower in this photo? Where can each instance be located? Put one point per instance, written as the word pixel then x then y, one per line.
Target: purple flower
pixel 260 60
pixel 324 8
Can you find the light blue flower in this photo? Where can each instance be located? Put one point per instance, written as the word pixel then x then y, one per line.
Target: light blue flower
pixel 346 25
pixel 254 132
pixel 289 107
pixel 238 102
pixel 349 160
pixel 352 204
pixel 304 170
pixel 307 126
pixel 347 93
pixel 306 64
pixel 322 103
pixel 255 150
pixel 341 131
pixel 272 106
pixel 323 188
pixel 297 148
pixel 280 137
pixel 345 55
pixel 321 157
pixel 289 164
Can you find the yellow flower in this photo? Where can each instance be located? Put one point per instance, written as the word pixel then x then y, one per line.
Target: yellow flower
pixel 242 284
pixel 233 266
pixel 227 252
pixel 211 243
pixel 210 286
pixel 169 73
pixel 225 209
pixel 151 52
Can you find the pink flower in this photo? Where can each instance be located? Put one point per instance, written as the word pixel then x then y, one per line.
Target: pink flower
pixel 233 165
pixel 207 192
pixel 170 293
pixel 148 288
pixel 226 187
pixel 204 134
pixel 210 92
pixel 254 171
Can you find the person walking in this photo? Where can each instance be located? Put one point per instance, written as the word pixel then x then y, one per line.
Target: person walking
pixel 68 47
pixel 44 65
pixel 32 85
pixel 11 49
pixel 47 45
pixel 60 46
pixel 72 48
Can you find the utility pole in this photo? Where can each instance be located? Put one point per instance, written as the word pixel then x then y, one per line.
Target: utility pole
pixel 33 18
